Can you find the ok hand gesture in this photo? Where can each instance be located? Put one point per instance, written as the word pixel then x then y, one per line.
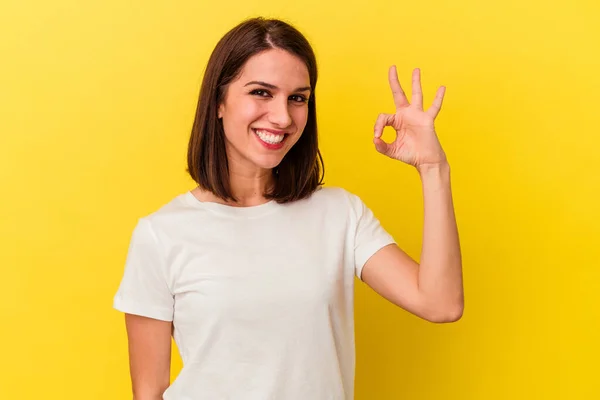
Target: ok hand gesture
pixel 416 141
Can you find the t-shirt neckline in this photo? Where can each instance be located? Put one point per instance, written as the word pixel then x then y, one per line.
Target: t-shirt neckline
pixel 226 210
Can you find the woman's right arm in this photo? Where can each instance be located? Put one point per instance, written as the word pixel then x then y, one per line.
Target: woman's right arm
pixel 149 356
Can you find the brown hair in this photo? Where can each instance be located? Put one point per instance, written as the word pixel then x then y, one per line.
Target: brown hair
pixel 301 171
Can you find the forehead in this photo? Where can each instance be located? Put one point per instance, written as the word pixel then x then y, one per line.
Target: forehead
pixel 277 67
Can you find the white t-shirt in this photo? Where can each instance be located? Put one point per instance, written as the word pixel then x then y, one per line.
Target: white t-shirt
pixel 261 297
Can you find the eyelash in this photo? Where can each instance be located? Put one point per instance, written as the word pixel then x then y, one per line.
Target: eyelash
pixel 257 92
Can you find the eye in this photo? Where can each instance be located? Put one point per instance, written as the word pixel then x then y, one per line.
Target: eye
pixel 260 93
pixel 299 98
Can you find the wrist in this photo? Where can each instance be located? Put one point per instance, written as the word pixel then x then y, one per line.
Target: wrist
pixel 433 169
pixel 435 178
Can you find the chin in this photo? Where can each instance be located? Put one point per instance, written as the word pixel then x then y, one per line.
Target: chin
pixel 268 163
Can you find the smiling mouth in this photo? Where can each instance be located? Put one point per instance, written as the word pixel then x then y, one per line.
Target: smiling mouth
pixel 270 138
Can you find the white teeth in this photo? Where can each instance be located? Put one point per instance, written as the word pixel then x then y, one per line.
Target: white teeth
pixel 269 137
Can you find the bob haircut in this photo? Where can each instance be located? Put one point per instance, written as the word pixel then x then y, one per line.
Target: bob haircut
pixel 301 171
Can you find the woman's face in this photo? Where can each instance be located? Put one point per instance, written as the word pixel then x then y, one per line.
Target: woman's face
pixel 265 109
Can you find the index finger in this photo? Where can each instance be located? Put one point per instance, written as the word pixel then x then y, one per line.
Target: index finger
pixel 400 99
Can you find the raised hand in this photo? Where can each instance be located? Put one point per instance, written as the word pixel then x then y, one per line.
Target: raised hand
pixel 416 141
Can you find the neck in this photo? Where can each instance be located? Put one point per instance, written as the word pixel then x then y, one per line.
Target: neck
pixel 247 183
pixel 248 187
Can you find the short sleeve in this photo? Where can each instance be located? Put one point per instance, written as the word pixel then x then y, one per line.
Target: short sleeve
pixel 370 236
pixel 144 288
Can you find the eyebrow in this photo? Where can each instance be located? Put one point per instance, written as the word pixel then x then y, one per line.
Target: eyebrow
pixel 271 86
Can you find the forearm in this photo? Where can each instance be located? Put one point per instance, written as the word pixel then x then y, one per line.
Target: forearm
pixel 152 391
pixel 440 272
pixel 147 396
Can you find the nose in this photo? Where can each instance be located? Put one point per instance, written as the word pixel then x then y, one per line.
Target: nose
pixel 279 114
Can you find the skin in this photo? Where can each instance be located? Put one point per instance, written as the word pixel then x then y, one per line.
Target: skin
pixel 149 343
pixel 431 289
pixel 280 105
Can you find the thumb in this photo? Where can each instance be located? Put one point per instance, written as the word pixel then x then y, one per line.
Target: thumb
pixel 381 146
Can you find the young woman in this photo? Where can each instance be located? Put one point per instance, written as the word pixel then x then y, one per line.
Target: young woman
pixel 252 272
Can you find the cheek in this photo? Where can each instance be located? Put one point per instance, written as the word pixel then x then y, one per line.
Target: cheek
pixel 300 116
pixel 240 110
pixel 238 116
pixel 248 111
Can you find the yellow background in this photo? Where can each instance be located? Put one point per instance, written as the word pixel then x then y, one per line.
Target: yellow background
pixel 96 103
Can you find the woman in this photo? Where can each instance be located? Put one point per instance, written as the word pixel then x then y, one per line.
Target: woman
pixel 252 272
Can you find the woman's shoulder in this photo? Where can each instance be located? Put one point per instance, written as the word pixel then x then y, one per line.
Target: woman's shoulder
pixel 330 193
pixel 335 196
pixel 174 210
pixel 336 192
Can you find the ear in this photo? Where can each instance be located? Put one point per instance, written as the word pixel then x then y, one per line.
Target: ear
pixel 220 111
